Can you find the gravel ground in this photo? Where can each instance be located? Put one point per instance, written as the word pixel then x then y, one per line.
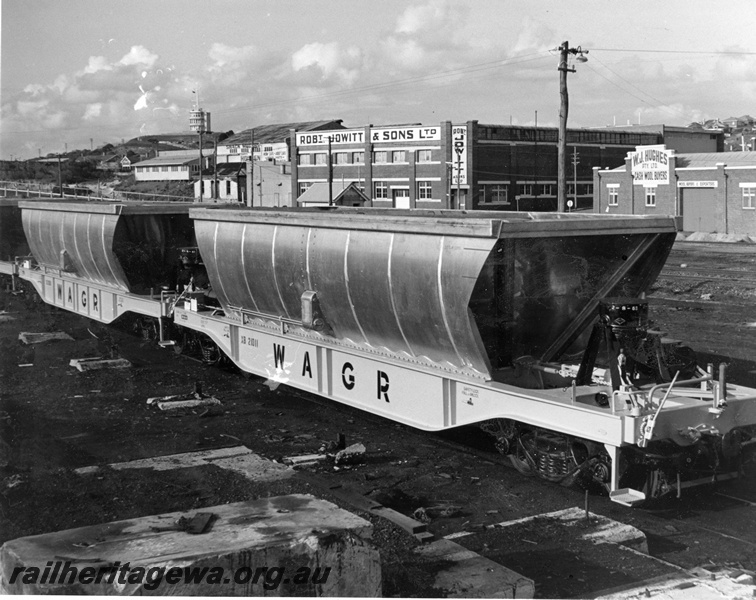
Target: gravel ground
pixel 54 419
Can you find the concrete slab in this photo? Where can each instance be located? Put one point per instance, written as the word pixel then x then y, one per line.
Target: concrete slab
pixel 684 586
pixel 95 364
pixel 603 530
pixel 470 575
pixel 237 458
pixel 295 545
pixel 38 338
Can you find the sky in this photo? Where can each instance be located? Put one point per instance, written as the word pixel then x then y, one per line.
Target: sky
pixel 77 74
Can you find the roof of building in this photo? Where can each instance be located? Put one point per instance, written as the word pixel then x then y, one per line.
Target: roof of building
pixel 229 169
pixel 317 193
pixel 658 128
pixel 278 132
pixel 701 160
pixel 181 158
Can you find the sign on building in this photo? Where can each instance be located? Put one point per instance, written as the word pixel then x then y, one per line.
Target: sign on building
pixel 321 138
pixel 459 156
pixel 405 134
pixel 650 165
pixel 697 184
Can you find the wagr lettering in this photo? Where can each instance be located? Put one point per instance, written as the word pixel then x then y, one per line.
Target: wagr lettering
pixel 348 376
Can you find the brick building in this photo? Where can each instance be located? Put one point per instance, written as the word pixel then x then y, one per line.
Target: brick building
pixel 712 192
pixel 461 166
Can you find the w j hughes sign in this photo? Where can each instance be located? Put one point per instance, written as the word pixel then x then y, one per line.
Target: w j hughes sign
pixel 650 165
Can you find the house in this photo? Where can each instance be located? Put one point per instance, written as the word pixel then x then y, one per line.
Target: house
pixel 267 142
pixel 270 183
pixel 172 166
pixel 226 184
pixel 128 160
pixel 344 194
pixel 111 162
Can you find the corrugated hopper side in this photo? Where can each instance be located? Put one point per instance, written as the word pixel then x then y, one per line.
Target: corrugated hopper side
pixel 464 292
pixel 128 247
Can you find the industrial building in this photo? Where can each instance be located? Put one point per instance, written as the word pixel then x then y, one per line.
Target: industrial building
pixel 712 192
pixel 469 165
pixel 266 142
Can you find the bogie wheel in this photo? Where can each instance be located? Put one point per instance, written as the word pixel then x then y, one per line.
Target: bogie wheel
pixel 211 353
pixel 519 460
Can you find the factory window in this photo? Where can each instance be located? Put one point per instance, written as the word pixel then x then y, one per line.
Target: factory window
pixel 613 196
pixel 174 168
pixel 305 159
pixel 341 158
pixel 650 196
pixel 303 187
pixel 493 194
pixel 424 189
pixel 228 187
pixel 547 189
pixel 321 158
pixel 381 156
pixel 398 156
pixel 525 189
pixel 381 189
pixel 749 197
pixel 423 156
pixel 267 148
pixel 358 158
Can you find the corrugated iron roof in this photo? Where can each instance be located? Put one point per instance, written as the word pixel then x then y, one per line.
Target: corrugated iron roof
pixel 277 132
pixel 701 160
pixel 317 193
pixel 181 159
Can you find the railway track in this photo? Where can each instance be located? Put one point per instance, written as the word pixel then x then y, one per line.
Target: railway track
pixel 746 275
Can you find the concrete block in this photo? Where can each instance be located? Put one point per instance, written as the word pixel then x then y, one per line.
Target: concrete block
pixel 39 338
pixel 279 546
pixel 602 530
pixel 470 575
pixel 236 458
pixel 95 364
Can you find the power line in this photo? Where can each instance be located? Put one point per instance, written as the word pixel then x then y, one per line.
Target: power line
pixel 393 83
pixel 661 102
pixel 468 70
pixel 714 52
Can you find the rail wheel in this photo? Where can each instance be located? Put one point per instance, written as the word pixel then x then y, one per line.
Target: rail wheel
pixel 211 353
pixel 519 460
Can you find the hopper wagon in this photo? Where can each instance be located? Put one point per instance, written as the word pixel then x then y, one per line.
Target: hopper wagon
pixel 532 326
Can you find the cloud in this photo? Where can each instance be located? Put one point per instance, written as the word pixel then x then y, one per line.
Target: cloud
pixel 329 61
pixel 97 63
pixel 139 55
pixel 224 55
pixel 92 111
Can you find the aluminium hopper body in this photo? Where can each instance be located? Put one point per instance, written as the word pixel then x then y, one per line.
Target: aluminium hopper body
pixel 127 247
pixel 464 292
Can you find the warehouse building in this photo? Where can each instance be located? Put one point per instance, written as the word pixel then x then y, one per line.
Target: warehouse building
pixel 712 192
pixel 267 142
pixel 462 166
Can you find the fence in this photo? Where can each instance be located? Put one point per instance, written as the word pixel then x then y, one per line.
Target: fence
pixel 31 189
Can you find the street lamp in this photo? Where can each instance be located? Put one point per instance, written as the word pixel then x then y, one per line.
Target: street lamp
pixel 564 52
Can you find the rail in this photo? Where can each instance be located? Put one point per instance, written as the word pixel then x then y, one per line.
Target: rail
pixel 24 189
